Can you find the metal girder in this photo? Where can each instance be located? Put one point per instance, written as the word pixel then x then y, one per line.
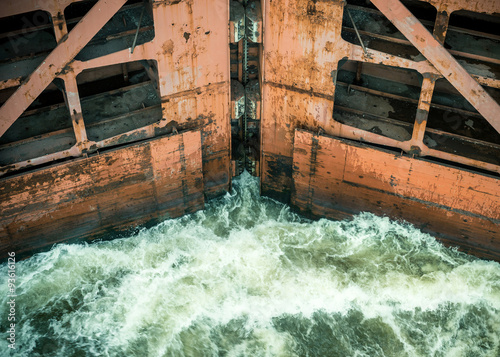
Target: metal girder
pixel 441 59
pixel 57 60
pixel 423 106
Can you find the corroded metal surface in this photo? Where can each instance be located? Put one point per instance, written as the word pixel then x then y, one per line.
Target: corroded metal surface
pixel 56 61
pixel 337 178
pixel 484 6
pixel 440 58
pixel 190 50
pixel 89 197
pixel 206 108
pixel 303 47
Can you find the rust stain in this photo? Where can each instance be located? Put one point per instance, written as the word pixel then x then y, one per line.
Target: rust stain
pixel 65 51
pixel 329 46
pixel 345 178
pixel 168 47
pixel 52 205
pixel 444 62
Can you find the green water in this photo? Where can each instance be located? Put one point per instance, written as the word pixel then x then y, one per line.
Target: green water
pixel 246 277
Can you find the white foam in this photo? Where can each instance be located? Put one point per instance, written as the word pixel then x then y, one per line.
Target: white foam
pixel 252 259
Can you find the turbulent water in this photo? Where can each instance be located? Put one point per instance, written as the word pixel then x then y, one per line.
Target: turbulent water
pixel 247 277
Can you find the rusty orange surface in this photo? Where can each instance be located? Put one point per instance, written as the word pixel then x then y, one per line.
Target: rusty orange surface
pixel 89 197
pixel 206 109
pixel 336 178
pixel 484 6
pixel 302 48
pixel 191 52
pixel 53 65
pixel 440 58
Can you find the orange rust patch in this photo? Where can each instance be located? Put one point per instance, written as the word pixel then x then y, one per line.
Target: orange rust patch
pixel 329 46
pixel 86 198
pixel 345 178
pixel 168 47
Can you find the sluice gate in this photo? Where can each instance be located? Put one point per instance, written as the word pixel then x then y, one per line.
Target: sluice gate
pixel 121 113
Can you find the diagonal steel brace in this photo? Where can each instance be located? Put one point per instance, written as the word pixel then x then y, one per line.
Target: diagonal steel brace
pixel 57 60
pixel 441 59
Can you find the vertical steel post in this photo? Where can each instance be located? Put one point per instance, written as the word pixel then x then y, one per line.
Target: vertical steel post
pixel 424 104
pixel 75 109
pixel 427 90
pixel 71 95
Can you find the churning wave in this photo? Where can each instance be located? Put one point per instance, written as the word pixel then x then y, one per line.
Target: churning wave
pixel 247 277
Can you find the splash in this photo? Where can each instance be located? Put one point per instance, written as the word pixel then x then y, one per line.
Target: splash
pixel 247 277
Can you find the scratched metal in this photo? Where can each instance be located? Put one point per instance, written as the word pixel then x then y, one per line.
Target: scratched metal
pixel 190 50
pixel 303 46
pixel 337 178
pixel 89 197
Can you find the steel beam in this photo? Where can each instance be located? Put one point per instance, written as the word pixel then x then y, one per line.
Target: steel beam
pixel 427 90
pixel 441 59
pixel 71 96
pixel 350 132
pixel 59 26
pixel 141 52
pixel 441 26
pixel 75 108
pixel 424 104
pixel 56 61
